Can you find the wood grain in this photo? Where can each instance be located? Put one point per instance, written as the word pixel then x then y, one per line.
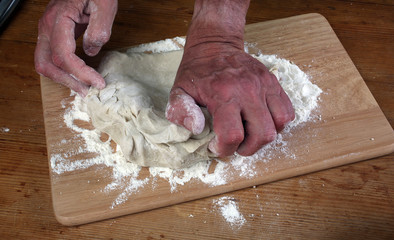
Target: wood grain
pixel 350 118
pixel 349 202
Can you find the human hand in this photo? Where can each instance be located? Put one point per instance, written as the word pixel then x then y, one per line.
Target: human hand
pixel 246 101
pixel 62 23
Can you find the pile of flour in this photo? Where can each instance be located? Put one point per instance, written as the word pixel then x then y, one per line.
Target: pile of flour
pixel 125 175
pixel 229 210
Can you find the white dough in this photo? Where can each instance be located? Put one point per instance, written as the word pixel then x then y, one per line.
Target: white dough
pixel 131 109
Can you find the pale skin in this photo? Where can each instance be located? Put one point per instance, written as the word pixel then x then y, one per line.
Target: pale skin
pixel 247 104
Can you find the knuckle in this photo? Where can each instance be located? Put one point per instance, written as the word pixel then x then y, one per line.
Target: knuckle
pixel 50 16
pixel 58 60
pixel 249 152
pixel 72 10
pixel 46 21
pixel 233 137
pixel 41 67
pixel 256 141
pixel 268 137
pixel 282 119
pixel 251 84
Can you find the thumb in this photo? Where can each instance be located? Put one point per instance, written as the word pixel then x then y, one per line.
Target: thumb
pixel 183 110
pixel 98 32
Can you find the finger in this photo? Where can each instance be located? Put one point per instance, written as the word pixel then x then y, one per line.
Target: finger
pixel 259 127
pixel 183 110
pixel 227 124
pixel 102 14
pixel 289 105
pixel 63 48
pixel 44 66
pixel 279 111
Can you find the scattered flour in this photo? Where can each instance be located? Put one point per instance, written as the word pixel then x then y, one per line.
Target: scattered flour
pixel 126 175
pixel 5 130
pixel 228 207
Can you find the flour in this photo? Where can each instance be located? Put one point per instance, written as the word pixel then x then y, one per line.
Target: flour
pixel 126 175
pixel 166 45
pixel 295 82
pixel 229 209
pixel 4 129
pixel 197 171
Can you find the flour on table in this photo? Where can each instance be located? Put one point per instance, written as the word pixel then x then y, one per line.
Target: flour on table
pixel 4 129
pixel 229 209
pixel 126 175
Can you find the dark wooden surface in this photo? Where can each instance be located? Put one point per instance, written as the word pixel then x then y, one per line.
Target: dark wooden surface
pixel 350 202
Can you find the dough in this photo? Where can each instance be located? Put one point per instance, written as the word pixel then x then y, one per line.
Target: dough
pixel 131 110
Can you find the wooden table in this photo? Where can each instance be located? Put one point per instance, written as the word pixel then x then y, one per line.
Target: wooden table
pixel 350 202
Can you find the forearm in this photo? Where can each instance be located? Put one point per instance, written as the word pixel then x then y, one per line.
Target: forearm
pixel 218 21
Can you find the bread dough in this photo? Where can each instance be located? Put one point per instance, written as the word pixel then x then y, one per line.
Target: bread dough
pixel 131 110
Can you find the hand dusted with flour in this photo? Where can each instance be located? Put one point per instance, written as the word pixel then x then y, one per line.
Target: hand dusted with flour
pixel 247 104
pixel 62 23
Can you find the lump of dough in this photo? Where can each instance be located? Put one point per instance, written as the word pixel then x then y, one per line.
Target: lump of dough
pixel 131 110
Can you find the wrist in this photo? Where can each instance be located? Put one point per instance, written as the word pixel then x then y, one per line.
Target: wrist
pixel 217 22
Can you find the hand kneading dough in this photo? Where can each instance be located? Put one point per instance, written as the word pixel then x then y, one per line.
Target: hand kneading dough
pixel 131 109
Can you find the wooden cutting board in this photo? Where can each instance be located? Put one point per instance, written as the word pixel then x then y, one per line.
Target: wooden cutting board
pixel 351 128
